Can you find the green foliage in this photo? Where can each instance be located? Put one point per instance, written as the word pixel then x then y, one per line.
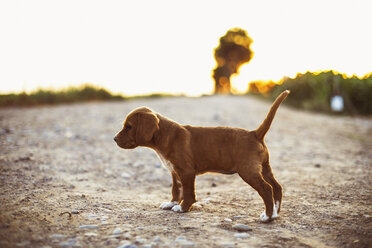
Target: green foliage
pixel 72 94
pixel 313 91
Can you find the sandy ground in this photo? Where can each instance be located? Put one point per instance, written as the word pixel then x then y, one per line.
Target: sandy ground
pixel 65 183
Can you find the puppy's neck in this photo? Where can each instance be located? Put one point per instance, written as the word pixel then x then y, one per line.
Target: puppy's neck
pixel 168 131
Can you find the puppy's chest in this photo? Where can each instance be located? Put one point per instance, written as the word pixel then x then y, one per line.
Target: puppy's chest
pixel 165 162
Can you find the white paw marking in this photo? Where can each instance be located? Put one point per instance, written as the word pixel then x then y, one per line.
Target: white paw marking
pixel 264 217
pixel 275 211
pixel 275 215
pixel 177 209
pixel 167 205
pixel 277 204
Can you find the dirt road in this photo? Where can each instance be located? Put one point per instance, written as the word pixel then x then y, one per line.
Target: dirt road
pixel 65 183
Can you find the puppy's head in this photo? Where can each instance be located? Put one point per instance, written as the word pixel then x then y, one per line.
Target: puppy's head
pixel 138 130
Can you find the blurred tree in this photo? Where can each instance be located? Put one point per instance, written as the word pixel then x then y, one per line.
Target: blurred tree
pixel 232 52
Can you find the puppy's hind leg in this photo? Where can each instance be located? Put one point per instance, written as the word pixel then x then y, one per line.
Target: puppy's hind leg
pixel 254 178
pixel 277 188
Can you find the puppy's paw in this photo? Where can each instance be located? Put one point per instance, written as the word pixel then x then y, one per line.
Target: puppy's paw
pixel 167 205
pixel 177 209
pixel 264 217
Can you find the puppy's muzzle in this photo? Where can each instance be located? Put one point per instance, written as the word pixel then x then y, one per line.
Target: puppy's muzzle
pixel 125 145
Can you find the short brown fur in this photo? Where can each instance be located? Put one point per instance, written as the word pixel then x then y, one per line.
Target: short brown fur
pixel 191 151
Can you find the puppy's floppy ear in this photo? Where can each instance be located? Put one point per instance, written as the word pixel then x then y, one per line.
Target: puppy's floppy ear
pixel 147 125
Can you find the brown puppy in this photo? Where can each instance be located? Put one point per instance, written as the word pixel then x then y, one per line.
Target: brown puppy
pixel 188 151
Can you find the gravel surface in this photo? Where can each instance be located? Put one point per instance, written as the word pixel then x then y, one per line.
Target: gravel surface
pixel 65 183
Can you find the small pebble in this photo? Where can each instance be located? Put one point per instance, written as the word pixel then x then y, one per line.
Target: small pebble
pixel 69 243
pixel 127 236
pixel 242 228
pixel 180 239
pixel 117 231
pixel 24 243
pixel 227 245
pixel 148 246
pixel 57 236
pixel 88 227
pixel 92 216
pixel 157 239
pixel 317 165
pixel 184 242
pixel 106 210
pixel 187 244
pixel 239 216
pixel 228 220
pixel 241 235
pixel 140 240
pixel 125 175
pixel 112 241
pixel 126 244
pixel 91 234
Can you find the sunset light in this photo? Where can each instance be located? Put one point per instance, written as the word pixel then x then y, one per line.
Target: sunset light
pixel 163 123
pixel 142 47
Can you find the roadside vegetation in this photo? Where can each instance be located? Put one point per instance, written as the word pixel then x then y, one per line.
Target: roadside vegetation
pixel 82 93
pixel 315 91
pixel 73 94
pixel 309 91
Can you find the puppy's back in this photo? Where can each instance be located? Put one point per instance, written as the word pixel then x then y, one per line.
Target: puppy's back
pixel 215 149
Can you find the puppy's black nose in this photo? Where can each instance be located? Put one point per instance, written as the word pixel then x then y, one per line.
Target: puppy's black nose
pixel 115 138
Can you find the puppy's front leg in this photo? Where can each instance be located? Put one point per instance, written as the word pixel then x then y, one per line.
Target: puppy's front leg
pixel 176 194
pixel 188 191
pixel 176 188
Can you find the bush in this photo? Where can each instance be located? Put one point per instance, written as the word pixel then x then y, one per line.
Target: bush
pixel 72 94
pixel 313 91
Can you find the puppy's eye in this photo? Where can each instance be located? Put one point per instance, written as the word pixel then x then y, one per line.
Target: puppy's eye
pixel 127 127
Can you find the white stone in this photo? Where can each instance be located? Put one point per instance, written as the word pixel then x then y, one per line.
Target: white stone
pixel 91 234
pixel 88 227
pixel 117 231
pixel 180 239
pixel 57 236
pixel 242 228
pixel 241 235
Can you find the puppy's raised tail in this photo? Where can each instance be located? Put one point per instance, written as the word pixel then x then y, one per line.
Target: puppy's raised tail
pixel 264 127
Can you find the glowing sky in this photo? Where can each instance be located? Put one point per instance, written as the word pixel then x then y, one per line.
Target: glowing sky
pixel 140 47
